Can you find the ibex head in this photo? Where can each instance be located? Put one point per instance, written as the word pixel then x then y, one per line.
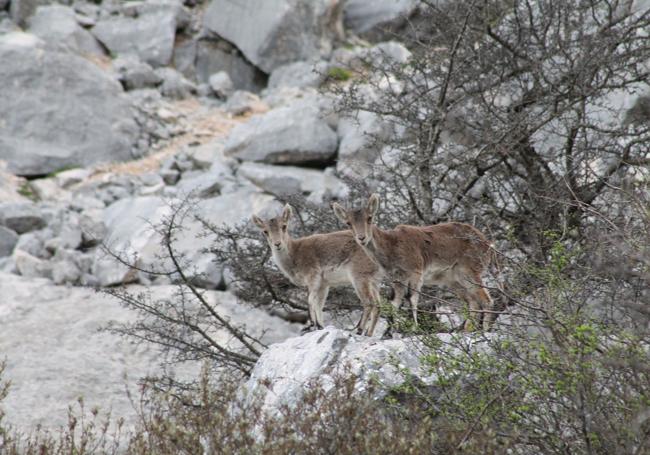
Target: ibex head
pixel 359 220
pixel 276 230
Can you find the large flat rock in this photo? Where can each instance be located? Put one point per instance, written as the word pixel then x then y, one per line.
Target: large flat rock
pixel 56 354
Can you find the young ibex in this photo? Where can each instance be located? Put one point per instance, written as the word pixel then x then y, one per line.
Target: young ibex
pixel 321 261
pixel 450 254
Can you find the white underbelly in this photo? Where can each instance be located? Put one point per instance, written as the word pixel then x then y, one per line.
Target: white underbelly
pixel 439 275
pixel 337 277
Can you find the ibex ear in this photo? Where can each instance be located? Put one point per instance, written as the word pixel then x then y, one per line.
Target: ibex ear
pixel 287 213
pixel 258 221
pixel 373 204
pixel 339 212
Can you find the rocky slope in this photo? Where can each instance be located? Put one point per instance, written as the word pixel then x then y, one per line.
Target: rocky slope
pixel 112 111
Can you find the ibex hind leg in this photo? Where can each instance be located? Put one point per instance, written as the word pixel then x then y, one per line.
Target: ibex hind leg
pixel 479 301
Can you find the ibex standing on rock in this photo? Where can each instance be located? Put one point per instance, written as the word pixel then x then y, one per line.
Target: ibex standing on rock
pixel 449 254
pixel 321 261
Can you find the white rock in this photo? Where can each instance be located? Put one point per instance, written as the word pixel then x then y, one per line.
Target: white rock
pixel 21 217
pixel 357 150
pixel 58 24
pixel 70 177
pixel 221 84
pixel 286 370
pixel 363 15
pixel 8 240
pixel 149 35
pixel 30 266
pixel 299 74
pixel 284 180
pixel 292 134
pixel 275 32
pixel 242 102
pixel 56 354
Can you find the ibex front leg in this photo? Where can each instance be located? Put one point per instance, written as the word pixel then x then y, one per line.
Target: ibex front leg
pixel 317 297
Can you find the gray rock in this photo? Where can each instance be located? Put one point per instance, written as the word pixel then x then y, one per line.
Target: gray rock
pixel 65 272
pixel 205 155
pixel 70 235
pixel 130 233
pixel 8 240
pixel 276 32
pixel 70 177
pixel 286 370
pixel 361 16
pixel 170 176
pixel 299 75
pixel 242 102
pixel 8 265
pixel 21 217
pixel 389 50
pixel 33 244
pixel 287 96
pixel 58 24
pixel 30 266
pixel 293 134
pixel 149 35
pixel 221 84
pixel 357 150
pixel 134 74
pixel 214 56
pixel 93 229
pixel 47 189
pixel 284 180
pixel 152 184
pixel 53 330
pixel 184 58
pixel 174 84
pixel 81 203
pixel 200 184
pixel 92 122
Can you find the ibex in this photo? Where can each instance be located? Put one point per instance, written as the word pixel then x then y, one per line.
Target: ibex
pixel 321 261
pixel 449 254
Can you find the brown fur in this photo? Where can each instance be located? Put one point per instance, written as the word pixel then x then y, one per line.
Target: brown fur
pixel 321 261
pixel 450 254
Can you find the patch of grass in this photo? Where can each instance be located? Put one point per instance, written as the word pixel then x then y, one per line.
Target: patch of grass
pixel 26 190
pixel 339 74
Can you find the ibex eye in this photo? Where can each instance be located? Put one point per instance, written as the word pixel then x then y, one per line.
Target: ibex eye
pixel 369 219
pixel 284 228
pixel 266 232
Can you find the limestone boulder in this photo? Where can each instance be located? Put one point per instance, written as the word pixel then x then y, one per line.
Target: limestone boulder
pixel 275 32
pixel 59 110
pixel 292 134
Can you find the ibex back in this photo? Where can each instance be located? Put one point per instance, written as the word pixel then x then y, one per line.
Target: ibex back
pixel 321 261
pixel 450 254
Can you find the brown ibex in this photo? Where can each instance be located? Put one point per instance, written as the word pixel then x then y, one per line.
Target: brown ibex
pixel 321 261
pixel 450 254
